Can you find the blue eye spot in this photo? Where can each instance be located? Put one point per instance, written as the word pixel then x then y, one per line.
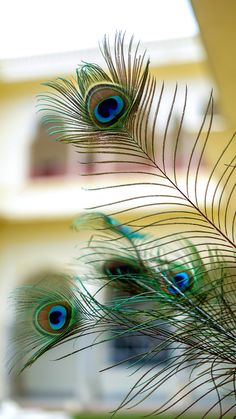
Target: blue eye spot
pixel 57 317
pixel 182 281
pixel 109 109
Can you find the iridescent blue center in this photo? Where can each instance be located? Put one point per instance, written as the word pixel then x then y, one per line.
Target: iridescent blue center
pixel 181 281
pixel 109 109
pixel 57 317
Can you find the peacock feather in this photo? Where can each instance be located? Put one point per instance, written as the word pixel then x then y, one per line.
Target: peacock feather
pixel 47 313
pixel 150 290
pixel 173 260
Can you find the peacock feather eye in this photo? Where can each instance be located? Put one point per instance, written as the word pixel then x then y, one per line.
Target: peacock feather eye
pixel 182 282
pixel 107 105
pixel 53 318
pixel 119 268
pixel 124 273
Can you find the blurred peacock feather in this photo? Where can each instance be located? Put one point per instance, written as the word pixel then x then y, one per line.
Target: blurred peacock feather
pixel 173 261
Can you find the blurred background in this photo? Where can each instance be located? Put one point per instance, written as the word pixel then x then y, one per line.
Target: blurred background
pixel 41 191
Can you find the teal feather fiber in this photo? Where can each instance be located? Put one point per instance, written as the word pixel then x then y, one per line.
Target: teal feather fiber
pixel 173 261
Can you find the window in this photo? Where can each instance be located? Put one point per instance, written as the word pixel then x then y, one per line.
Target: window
pixel 133 347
